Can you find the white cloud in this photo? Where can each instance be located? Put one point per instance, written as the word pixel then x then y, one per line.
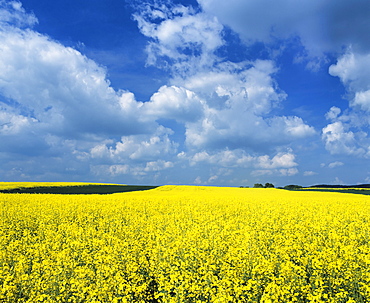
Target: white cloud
pixel 178 32
pixel 279 160
pixel 12 13
pixel 65 92
pixel 288 171
pixel 246 84
pixel 135 155
pixel 321 27
pixel 333 113
pixel 58 105
pixel 158 165
pixel 352 69
pixel 239 158
pixel 175 103
pixel 237 98
pixel 225 158
pixel 119 169
pixel 138 170
pixel 348 132
pixel 59 111
pixel 237 128
pixel 212 179
pixel 362 100
pixel 335 164
pixel 137 147
pixel 292 127
pixel 11 124
pixel 339 140
pixel 223 104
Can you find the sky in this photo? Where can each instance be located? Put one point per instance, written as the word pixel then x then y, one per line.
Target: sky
pixel 204 92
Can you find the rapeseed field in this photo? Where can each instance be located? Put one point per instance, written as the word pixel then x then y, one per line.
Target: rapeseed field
pixel 185 244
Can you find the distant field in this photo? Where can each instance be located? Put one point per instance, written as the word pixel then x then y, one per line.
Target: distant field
pixel 10 185
pixel 70 188
pixel 362 191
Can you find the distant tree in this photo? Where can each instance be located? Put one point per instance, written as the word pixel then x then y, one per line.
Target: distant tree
pixel 258 185
pixel 292 187
pixel 269 185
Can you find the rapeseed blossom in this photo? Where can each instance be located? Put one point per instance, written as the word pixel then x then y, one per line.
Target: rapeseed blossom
pixel 185 244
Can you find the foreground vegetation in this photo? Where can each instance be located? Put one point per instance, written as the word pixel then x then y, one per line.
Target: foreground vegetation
pixel 185 244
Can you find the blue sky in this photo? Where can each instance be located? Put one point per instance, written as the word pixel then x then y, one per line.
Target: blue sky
pixel 202 92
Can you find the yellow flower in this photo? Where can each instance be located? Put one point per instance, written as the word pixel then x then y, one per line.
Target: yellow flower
pixel 185 244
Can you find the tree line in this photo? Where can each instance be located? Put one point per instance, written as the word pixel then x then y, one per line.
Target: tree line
pixel 270 185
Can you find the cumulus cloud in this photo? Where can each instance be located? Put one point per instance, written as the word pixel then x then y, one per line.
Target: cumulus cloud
pixel 340 140
pixel 352 69
pixel 136 155
pixel 337 27
pixel 158 165
pixel 239 158
pixel 281 164
pixel 128 171
pixel 117 169
pixel 234 128
pixel 249 84
pixel 333 113
pixel 348 132
pixel 57 104
pixel 175 103
pixel 136 147
pixel 362 99
pixel 222 104
pixel 179 34
pixel 60 88
pixel 285 160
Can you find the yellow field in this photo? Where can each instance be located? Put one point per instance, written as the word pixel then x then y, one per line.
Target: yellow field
pixel 185 244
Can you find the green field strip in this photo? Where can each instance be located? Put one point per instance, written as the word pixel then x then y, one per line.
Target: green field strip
pixel 83 190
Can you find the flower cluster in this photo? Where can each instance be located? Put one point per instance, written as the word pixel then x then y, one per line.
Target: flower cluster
pixel 185 244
